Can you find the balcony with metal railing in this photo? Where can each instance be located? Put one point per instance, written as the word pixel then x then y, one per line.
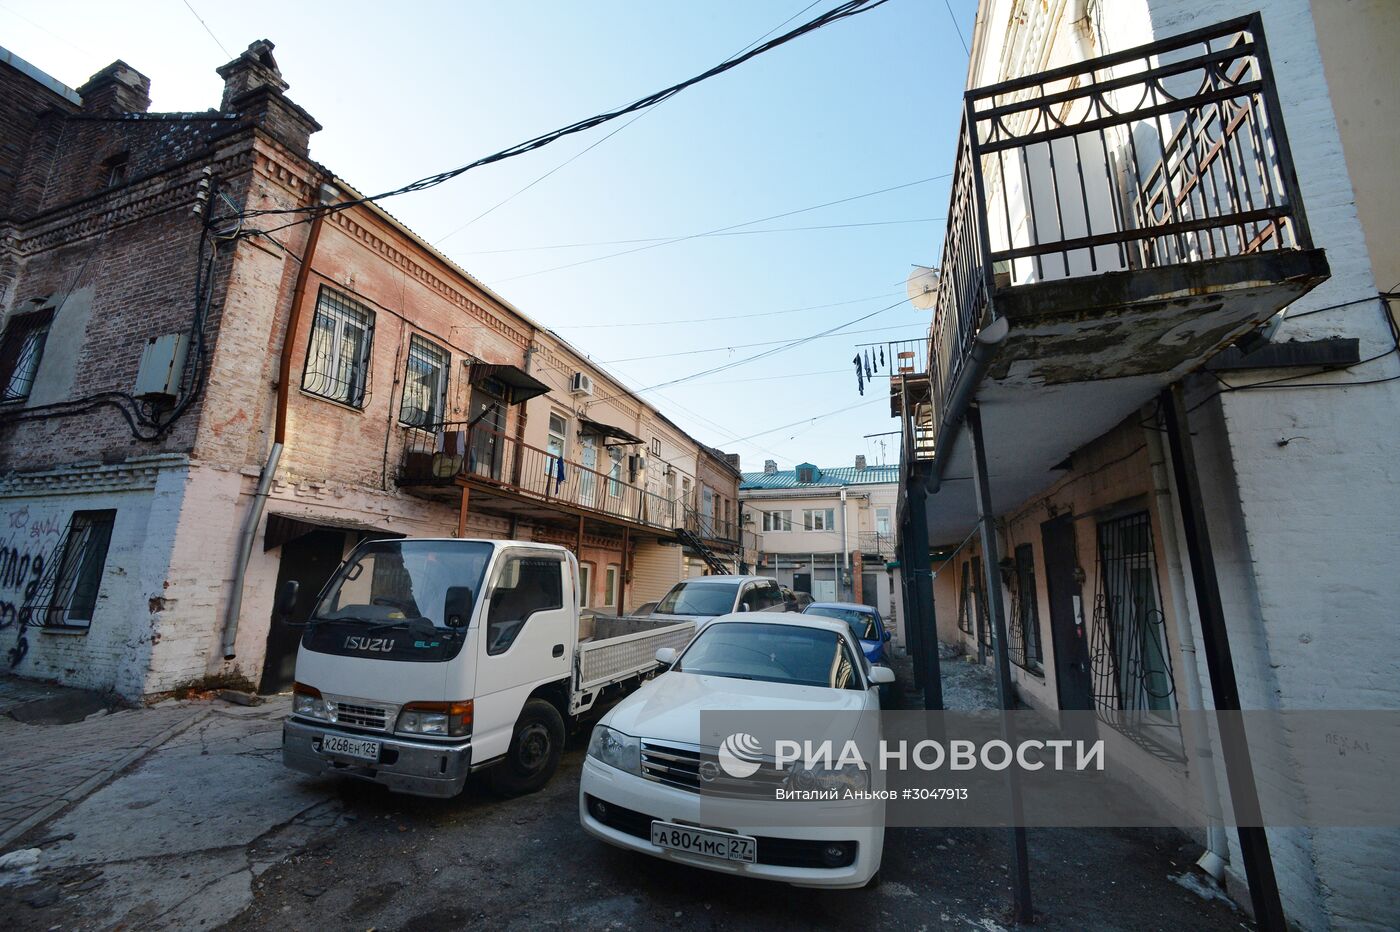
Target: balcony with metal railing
pixel 507 476
pixel 1112 225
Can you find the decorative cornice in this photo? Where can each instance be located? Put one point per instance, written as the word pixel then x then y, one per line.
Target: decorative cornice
pixel 156 195
pixel 411 266
pixel 133 475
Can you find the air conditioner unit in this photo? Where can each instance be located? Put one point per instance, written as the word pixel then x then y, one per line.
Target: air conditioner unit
pixel 581 384
pixel 161 368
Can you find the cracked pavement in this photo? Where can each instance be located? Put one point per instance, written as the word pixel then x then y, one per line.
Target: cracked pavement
pixel 209 830
pixel 175 840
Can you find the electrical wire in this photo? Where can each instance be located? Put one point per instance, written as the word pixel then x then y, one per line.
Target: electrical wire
pixel 719 230
pixel 597 143
pixel 661 239
pixel 731 348
pixel 707 320
pixel 843 11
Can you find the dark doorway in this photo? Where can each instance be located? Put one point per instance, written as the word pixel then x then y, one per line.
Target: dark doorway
pixel 870 590
pixel 802 582
pixel 1073 681
pixel 309 559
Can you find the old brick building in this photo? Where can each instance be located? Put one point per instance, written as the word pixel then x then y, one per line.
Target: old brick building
pixel 200 400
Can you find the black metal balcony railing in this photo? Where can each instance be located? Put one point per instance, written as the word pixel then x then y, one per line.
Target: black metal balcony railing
pixel 1169 153
pixel 710 527
pixel 444 452
pixel 876 542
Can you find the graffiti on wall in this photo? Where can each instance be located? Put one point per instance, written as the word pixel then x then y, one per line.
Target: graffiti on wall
pixel 28 548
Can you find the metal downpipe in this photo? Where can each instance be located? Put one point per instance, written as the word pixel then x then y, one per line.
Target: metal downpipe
pixel 984 350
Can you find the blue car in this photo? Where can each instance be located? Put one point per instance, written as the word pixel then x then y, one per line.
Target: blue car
pixel 865 624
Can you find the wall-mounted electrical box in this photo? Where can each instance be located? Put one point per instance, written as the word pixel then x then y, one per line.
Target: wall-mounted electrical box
pixel 162 366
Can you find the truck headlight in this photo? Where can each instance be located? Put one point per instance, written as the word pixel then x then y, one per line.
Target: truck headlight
pixel 612 747
pixel 442 719
pixel 307 702
pixel 846 777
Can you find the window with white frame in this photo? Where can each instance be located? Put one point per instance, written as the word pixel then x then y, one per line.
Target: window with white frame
pixel 882 521
pixel 611 581
pixel 777 520
pixel 425 384
pixel 338 352
pixel 585 584
pixel 557 444
pixel 614 471
pixel 819 519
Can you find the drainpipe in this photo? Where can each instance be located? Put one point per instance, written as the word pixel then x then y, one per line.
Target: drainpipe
pixel 1217 853
pixel 274 456
pixel 845 549
pixel 979 359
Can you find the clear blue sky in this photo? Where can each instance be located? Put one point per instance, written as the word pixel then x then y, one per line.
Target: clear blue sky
pixel 406 89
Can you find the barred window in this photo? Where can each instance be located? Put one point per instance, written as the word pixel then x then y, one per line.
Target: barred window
pixel 21 349
pixel 80 569
pixel 425 384
pixel 1132 663
pixel 337 355
pixel 1023 643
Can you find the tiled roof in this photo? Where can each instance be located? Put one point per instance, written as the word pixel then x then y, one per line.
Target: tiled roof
pixel 828 478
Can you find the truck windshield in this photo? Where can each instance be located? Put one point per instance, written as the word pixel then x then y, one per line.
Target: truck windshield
pixel 392 581
pixel 698 598
pixel 773 652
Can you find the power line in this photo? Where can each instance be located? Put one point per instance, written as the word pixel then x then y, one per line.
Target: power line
pixel 722 349
pixel 196 15
pixel 658 239
pixel 954 18
pixel 843 11
pixel 725 229
pixel 599 142
pixel 706 320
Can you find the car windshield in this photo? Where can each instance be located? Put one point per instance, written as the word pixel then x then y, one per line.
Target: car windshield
pixel 862 623
pixel 699 598
pixel 392 581
pixel 774 653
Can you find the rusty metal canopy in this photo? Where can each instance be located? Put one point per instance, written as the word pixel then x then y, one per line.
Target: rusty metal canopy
pixel 608 431
pixel 524 386
pixel 284 528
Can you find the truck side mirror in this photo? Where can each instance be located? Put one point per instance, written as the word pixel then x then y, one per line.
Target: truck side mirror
pixel 887 635
pixel 287 600
pixel 743 606
pixel 666 656
pixel 457 606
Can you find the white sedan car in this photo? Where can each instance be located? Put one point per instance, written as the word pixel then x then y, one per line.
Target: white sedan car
pixel 642 779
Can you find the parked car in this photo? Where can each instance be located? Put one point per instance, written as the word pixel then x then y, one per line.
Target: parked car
pixel 803 599
pixel 865 624
pixel 702 598
pixel 426 660
pixel 641 782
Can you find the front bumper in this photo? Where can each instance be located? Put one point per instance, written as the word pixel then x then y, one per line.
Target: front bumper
pixel 422 768
pixel 746 817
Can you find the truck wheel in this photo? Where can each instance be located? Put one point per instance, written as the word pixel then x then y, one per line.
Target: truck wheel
pixel 534 751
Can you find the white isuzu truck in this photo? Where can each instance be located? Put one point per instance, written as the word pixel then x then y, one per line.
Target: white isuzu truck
pixel 425 660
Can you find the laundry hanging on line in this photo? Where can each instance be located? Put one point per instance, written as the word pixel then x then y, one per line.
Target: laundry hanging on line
pixel 860 375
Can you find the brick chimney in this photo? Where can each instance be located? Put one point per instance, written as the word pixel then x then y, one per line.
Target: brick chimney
pixel 860 461
pixel 733 460
pixel 254 89
pixel 770 466
pixel 118 88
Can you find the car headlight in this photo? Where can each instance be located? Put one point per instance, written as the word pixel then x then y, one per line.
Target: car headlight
pixel 307 702
pixel 846 777
pixel 443 719
pixel 612 747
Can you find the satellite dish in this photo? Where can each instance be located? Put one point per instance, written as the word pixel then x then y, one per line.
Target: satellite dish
pixel 922 287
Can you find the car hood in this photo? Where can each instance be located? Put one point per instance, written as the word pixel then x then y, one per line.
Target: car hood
pixel 669 708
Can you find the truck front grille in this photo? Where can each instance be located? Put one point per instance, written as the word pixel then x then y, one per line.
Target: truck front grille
pixel 362 716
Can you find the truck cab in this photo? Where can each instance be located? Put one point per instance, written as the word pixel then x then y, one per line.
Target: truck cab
pixel 425 660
